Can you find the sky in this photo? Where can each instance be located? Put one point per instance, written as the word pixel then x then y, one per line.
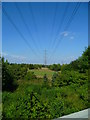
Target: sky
pixel 31 28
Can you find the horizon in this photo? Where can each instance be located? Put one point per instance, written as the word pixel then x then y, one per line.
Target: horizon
pixel 41 63
pixel 30 28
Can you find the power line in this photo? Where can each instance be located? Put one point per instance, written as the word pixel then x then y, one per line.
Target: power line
pixel 33 17
pixel 70 20
pixel 68 25
pixel 22 36
pixel 73 14
pixel 53 24
pixel 29 31
pixel 61 23
pixel 63 18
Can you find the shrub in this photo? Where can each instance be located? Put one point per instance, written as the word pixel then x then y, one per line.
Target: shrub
pixel 57 107
pixel 54 78
pixel 19 71
pixel 30 76
pixel 28 106
pixel 70 77
pixel 8 81
pixel 55 67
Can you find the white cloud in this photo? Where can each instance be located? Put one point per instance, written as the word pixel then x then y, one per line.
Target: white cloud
pixel 67 59
pixel 18 57
pixel 65 33
pixel 70 58
pixel 70 35
pixel 13 58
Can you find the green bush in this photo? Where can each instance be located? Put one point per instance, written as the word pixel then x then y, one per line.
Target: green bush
pixel 81 64
pixel 33 101
pixel 54 78
pixel 8 81
pixel 30 76
pixel 19 71
pixel 57 107
pixel 55 67
pixel 28 105
pixel 70 77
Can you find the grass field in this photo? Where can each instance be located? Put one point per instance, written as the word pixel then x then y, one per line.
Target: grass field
pixel 41 72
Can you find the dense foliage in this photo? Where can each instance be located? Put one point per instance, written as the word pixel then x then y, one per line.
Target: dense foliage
pixel 30 76
pixel 8 81
pixel 71 77
pixel 65 93
pixel 81 64
pixel 33 101
pixel 55 67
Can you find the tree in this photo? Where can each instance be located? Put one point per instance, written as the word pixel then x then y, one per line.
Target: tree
pixel 31 66
pixel 81 64
pixel 55 67
pixel 8 82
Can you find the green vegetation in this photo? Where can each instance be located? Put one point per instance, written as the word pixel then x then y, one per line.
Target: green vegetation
pixel 8 82
pixel 41 72
pixel 43 93
pixel 30 76
pixel 55 67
